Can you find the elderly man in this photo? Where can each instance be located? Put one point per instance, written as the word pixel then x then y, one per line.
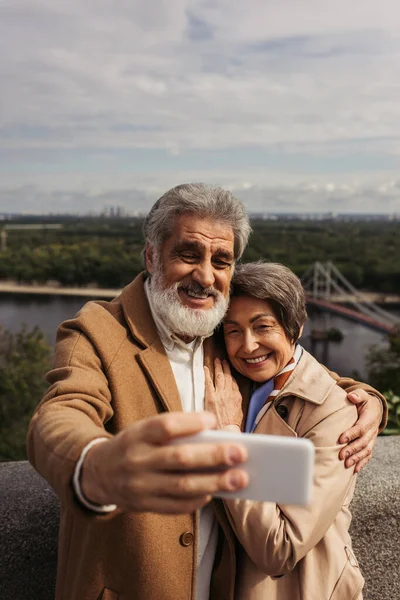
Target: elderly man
pixel 98 436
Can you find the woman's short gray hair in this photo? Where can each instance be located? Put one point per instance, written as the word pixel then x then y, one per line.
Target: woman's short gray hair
pixel 278 285
pixel 198 199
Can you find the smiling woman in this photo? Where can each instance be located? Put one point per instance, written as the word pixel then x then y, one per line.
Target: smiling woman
pixel 255 340
pixel 266 318
pixel 287 551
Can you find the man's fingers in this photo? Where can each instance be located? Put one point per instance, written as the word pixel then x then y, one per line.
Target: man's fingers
pixel 368 439
pixel 357 397
pixel 361 464
pixel 196 488
pixel 197 457
pixel 209 385
pixel 230 382
pixel 219 374
pixel 226 368
pixel 168 426
pixel 193 486
pixel 357 431
pixel 187 486
pixel 358 456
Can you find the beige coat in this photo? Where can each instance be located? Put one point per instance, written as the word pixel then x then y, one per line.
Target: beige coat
pixel 303 553
pixel 110 370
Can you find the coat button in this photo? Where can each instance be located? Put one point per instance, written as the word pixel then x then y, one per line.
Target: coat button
pixel 186 538
pixel 282 411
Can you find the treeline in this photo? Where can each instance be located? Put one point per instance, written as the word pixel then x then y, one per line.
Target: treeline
pixel 24 359
pixel 108 253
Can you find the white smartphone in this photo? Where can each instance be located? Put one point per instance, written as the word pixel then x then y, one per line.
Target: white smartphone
pixel 280 468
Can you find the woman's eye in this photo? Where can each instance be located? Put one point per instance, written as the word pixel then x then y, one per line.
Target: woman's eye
pixel 232 332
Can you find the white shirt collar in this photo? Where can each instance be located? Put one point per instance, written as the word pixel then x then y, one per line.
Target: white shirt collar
pixel 168 338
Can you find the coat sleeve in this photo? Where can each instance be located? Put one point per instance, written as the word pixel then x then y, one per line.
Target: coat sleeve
pixel 73 412
pixel 350 385
pixel 276 537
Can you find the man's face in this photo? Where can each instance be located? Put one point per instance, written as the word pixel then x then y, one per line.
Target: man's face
pixel 191 275
pixel 197 257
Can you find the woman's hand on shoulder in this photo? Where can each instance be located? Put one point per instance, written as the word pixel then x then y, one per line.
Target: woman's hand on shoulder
pixel 223 397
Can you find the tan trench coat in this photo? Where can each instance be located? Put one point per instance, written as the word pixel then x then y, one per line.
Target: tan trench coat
pixel 294 552
pixel 110 370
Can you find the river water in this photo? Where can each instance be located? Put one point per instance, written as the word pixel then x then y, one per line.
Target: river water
pixel 47 312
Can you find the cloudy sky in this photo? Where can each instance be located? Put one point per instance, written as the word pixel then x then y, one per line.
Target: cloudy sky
pixel 292 104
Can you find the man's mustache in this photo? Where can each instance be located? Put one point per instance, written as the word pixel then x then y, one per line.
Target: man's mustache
pixel 197 288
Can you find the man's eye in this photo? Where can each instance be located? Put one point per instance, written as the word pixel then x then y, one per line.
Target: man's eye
pixel 221 264
pixel 232 332
pixel 188 257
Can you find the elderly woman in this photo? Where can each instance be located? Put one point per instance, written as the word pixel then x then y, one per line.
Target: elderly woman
pixel 287 552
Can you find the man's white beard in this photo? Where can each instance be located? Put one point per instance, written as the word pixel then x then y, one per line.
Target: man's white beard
pixel 180 319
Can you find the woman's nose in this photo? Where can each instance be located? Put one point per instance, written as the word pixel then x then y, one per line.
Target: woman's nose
pixel 250 343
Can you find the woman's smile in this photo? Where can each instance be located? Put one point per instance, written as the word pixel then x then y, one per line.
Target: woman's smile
pixel 256 342
pixel 258 360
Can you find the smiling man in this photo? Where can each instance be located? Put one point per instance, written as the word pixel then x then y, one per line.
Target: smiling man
pixel 193 271
pixel 128 378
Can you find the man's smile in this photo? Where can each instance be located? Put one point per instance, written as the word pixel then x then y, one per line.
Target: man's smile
pixel 196 296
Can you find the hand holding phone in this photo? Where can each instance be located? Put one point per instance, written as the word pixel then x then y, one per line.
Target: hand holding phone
pixel 280 468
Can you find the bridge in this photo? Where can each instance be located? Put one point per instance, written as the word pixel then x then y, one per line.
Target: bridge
pixel 329 290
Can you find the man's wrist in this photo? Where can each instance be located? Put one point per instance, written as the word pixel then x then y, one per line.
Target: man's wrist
pixel 379 402
pixel 87 493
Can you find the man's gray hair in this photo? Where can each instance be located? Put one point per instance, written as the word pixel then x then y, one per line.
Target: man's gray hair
pixel 202 200
pixel 279 286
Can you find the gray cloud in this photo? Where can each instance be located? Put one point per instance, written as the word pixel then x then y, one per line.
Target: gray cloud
pixel 302 197
pixel 315 79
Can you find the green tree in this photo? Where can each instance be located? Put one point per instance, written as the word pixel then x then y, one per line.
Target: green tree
pixel 384 373
pixel 384 364
pixel 24 359
pixel 393 402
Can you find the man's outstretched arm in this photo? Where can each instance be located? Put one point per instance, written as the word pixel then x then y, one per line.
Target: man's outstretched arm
pixel 136 469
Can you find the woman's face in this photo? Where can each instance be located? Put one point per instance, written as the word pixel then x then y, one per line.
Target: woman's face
pixel 256 342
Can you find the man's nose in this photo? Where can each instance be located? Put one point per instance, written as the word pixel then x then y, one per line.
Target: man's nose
pixel 250 342
pixel 204 274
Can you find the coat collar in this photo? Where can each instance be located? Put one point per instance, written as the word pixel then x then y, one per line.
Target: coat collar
pixel 152 357
pixel 137 312
pixel 308 381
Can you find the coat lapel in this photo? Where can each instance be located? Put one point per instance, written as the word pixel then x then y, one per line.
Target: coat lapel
pixel 156 364
pixel 153 357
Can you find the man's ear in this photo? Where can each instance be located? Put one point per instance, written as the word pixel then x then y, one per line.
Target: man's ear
pixel 301 332
pixel 148 258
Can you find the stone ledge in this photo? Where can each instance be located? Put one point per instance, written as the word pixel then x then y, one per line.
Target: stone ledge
pixel 28 534
pixel 375 528
pixel 29 524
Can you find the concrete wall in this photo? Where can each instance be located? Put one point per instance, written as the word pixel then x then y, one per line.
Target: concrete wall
pixel 29 521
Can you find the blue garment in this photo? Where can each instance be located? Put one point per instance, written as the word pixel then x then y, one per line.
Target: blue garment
pixel 257 401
